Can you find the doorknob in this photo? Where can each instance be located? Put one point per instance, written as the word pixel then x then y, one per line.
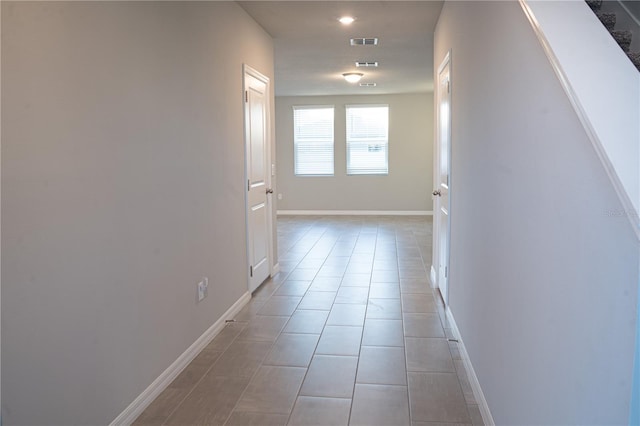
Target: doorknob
pixel 437 193
pixel 269 191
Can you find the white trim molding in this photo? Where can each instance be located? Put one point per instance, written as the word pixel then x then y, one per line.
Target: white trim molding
pixel 432 276
pixel 355 213
pixel 131 413
pixel 275 269
pixel 487 418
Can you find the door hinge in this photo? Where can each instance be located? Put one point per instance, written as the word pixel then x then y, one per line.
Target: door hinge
pixel 246 96
pixel 446 272
pixel 448 86
pixel 251 271
pixel 248 185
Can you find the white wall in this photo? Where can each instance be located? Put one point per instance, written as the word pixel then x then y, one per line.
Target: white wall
pixel 407 186
pixel 122 186
pixel 585 58
pixel 543 281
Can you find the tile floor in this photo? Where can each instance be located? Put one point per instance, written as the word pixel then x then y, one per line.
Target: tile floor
pixel 349 332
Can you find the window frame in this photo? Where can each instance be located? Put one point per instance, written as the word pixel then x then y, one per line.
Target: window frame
pixel 333 140
pixel 347 143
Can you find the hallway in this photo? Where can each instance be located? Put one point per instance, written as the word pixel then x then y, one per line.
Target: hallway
pixel 349 332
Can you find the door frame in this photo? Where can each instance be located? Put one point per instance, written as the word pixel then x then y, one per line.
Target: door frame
pixel 252 72
pixel 435 262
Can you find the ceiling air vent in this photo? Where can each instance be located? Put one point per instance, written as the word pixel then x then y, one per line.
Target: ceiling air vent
pixel 368 84
pixel 366 64
pixel 373 41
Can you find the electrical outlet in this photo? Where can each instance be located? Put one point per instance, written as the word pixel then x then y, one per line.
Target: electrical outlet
pixel 203 288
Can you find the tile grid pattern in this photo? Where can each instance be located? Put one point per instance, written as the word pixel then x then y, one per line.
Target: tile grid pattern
pixel 349 332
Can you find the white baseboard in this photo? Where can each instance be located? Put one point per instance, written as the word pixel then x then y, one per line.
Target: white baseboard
pixel 131 413
pixel 355 212
pixel 432 276
pixel 275 269
pixel 487 418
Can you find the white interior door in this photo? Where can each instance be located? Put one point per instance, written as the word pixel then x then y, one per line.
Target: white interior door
pixel 441 220
pixel 259 236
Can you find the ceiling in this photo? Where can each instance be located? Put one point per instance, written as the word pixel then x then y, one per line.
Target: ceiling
pixel 312 48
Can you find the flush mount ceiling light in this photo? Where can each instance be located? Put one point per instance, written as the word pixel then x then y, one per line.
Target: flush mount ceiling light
pixel 353 77
pixel 347 20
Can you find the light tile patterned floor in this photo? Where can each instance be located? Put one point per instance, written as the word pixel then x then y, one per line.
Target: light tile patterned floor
pixel 349 332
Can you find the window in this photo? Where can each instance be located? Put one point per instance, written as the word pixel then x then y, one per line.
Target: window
pixel 367 139
pixel 313 140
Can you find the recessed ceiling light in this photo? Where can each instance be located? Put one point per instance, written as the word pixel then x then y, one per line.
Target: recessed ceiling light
pixel 347 20
pixel 366 64
pixel 353 77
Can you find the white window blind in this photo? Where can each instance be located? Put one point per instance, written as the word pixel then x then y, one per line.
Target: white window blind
pixel 367 139
pixel 313 140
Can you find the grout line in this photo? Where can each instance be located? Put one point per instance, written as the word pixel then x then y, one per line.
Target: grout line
pixel 295 402
pixel 261 361
pixel 272 344
pixel 364 323
pixel 404 237
pixel 201 377
pixel 404 342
